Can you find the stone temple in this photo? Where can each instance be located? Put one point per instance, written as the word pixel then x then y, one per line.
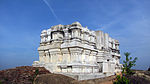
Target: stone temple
pixel 78 52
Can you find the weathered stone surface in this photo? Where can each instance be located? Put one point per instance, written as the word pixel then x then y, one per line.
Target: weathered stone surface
pixel 78 50
pixel 20 75
pixel 53 79
pixel 61 79
pixel 23 75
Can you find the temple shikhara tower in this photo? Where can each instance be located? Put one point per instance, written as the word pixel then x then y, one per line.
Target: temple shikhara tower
pixel 78 52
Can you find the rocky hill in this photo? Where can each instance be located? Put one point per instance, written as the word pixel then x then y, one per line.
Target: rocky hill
pixel 21 75
pixel 39 75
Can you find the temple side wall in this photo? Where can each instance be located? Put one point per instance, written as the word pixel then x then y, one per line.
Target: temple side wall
pixel 76 49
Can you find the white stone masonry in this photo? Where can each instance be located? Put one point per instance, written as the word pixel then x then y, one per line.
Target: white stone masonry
pixel 73 49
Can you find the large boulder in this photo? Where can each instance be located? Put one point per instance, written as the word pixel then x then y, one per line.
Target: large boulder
pixel 21 75
pixel 53 79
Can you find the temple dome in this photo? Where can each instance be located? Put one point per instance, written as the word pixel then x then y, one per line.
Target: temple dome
pixel 76 24
pixel 44 31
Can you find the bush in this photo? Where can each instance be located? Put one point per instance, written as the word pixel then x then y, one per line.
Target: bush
pixel 32 78
pixel 128 64
pixel 36 71
pixel 121 80
pixel 0 82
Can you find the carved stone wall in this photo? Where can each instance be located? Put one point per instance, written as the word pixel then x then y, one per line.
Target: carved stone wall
pixel 76 49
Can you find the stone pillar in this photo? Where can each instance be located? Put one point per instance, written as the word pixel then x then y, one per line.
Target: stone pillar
pixel 105 67
pixel 88 37
pixel 65 55
pixel 47 57
pixel 41 39
pixel 72 33
pixel 106 40
pixel 66 36
pixel 99 38
pixel 92 39
pixel 76 33
pixel 87 53
pixel 72 57
pixel 114 47
pixel 41 56
pixel 84 36
pixel 48 38
pixel 91 57
pixel 117 45
pixel 53 36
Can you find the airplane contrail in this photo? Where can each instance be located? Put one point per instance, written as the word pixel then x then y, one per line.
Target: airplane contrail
pixel 51 9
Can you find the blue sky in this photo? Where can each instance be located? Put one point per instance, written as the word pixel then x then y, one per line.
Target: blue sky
pixel 21 22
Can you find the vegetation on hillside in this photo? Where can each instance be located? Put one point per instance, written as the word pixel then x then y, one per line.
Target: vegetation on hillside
pixel 128 64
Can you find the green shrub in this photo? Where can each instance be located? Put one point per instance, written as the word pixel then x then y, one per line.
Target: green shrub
pixel 121 80
pixel 36 71
pixel 128 64
pixel 32 78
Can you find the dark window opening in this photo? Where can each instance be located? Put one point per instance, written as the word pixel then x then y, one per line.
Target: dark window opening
pixel 69 66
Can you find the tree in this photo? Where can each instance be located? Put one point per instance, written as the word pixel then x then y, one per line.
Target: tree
pixel 128 64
